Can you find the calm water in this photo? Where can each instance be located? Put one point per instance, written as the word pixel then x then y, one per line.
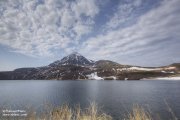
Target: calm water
pixel 114 97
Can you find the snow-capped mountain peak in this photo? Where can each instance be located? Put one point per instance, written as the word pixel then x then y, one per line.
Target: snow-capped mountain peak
pixel 73 59
pixel 75 53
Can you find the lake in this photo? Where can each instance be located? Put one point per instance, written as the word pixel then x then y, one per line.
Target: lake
pixel 113 97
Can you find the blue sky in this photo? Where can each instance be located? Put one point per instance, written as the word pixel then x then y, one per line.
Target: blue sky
pixel 137 32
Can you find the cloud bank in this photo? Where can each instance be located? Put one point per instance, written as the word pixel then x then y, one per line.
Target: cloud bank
pixel 44 28
pixel 153 40
pixel 38 27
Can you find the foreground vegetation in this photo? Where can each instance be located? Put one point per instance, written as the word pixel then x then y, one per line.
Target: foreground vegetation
pixel 91 113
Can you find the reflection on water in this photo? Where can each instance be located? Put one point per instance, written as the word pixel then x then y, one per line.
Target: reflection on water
pixel 115 97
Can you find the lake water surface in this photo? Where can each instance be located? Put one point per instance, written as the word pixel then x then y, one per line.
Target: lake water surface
pixel 114 97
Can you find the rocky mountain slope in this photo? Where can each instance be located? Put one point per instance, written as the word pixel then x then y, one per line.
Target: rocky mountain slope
pixel 73 59
pixel 77 67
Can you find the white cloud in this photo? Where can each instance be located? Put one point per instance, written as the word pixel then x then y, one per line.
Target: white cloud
pixel 155 36
pixel 44 27
pixel 85 7
pixel 39 27
pixel 123 13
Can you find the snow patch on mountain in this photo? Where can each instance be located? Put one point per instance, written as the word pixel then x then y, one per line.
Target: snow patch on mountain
pixel 172 72
pixel 93 76
pixel 144 69
pixel 73 59
pixel 168 78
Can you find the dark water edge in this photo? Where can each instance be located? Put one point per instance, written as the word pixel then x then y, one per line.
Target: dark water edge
pixel 114 97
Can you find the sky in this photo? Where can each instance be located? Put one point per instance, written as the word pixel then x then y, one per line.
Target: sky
pixel 135 32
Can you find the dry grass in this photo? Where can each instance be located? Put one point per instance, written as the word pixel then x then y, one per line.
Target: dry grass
pixel 64 112
pixel 91 113
pixel 138 113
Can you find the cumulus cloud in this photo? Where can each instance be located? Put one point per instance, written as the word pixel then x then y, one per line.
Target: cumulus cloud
pixel 37 28
pixel 153 40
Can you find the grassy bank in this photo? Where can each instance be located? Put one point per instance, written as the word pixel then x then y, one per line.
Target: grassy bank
pixel 64 112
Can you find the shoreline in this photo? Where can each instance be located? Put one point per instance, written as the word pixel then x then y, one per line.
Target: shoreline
pixel 163 78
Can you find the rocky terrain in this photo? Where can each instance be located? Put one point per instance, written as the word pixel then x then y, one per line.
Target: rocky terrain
pixel 77 67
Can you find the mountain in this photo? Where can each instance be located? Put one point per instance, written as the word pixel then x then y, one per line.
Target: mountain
pixel 73 59
pixel 177 65
pixel 75 66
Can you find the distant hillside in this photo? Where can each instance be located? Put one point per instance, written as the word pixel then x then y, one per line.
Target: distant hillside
pixel 77 67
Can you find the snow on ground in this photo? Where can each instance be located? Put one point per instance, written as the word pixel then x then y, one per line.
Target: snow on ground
pixel 163 78
pixel 114 78
pixel 170 68
pixel 138 68
pixel 94 76
pixel 144 69
pixel 168 78
pixel 110 77
pixel 167 72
